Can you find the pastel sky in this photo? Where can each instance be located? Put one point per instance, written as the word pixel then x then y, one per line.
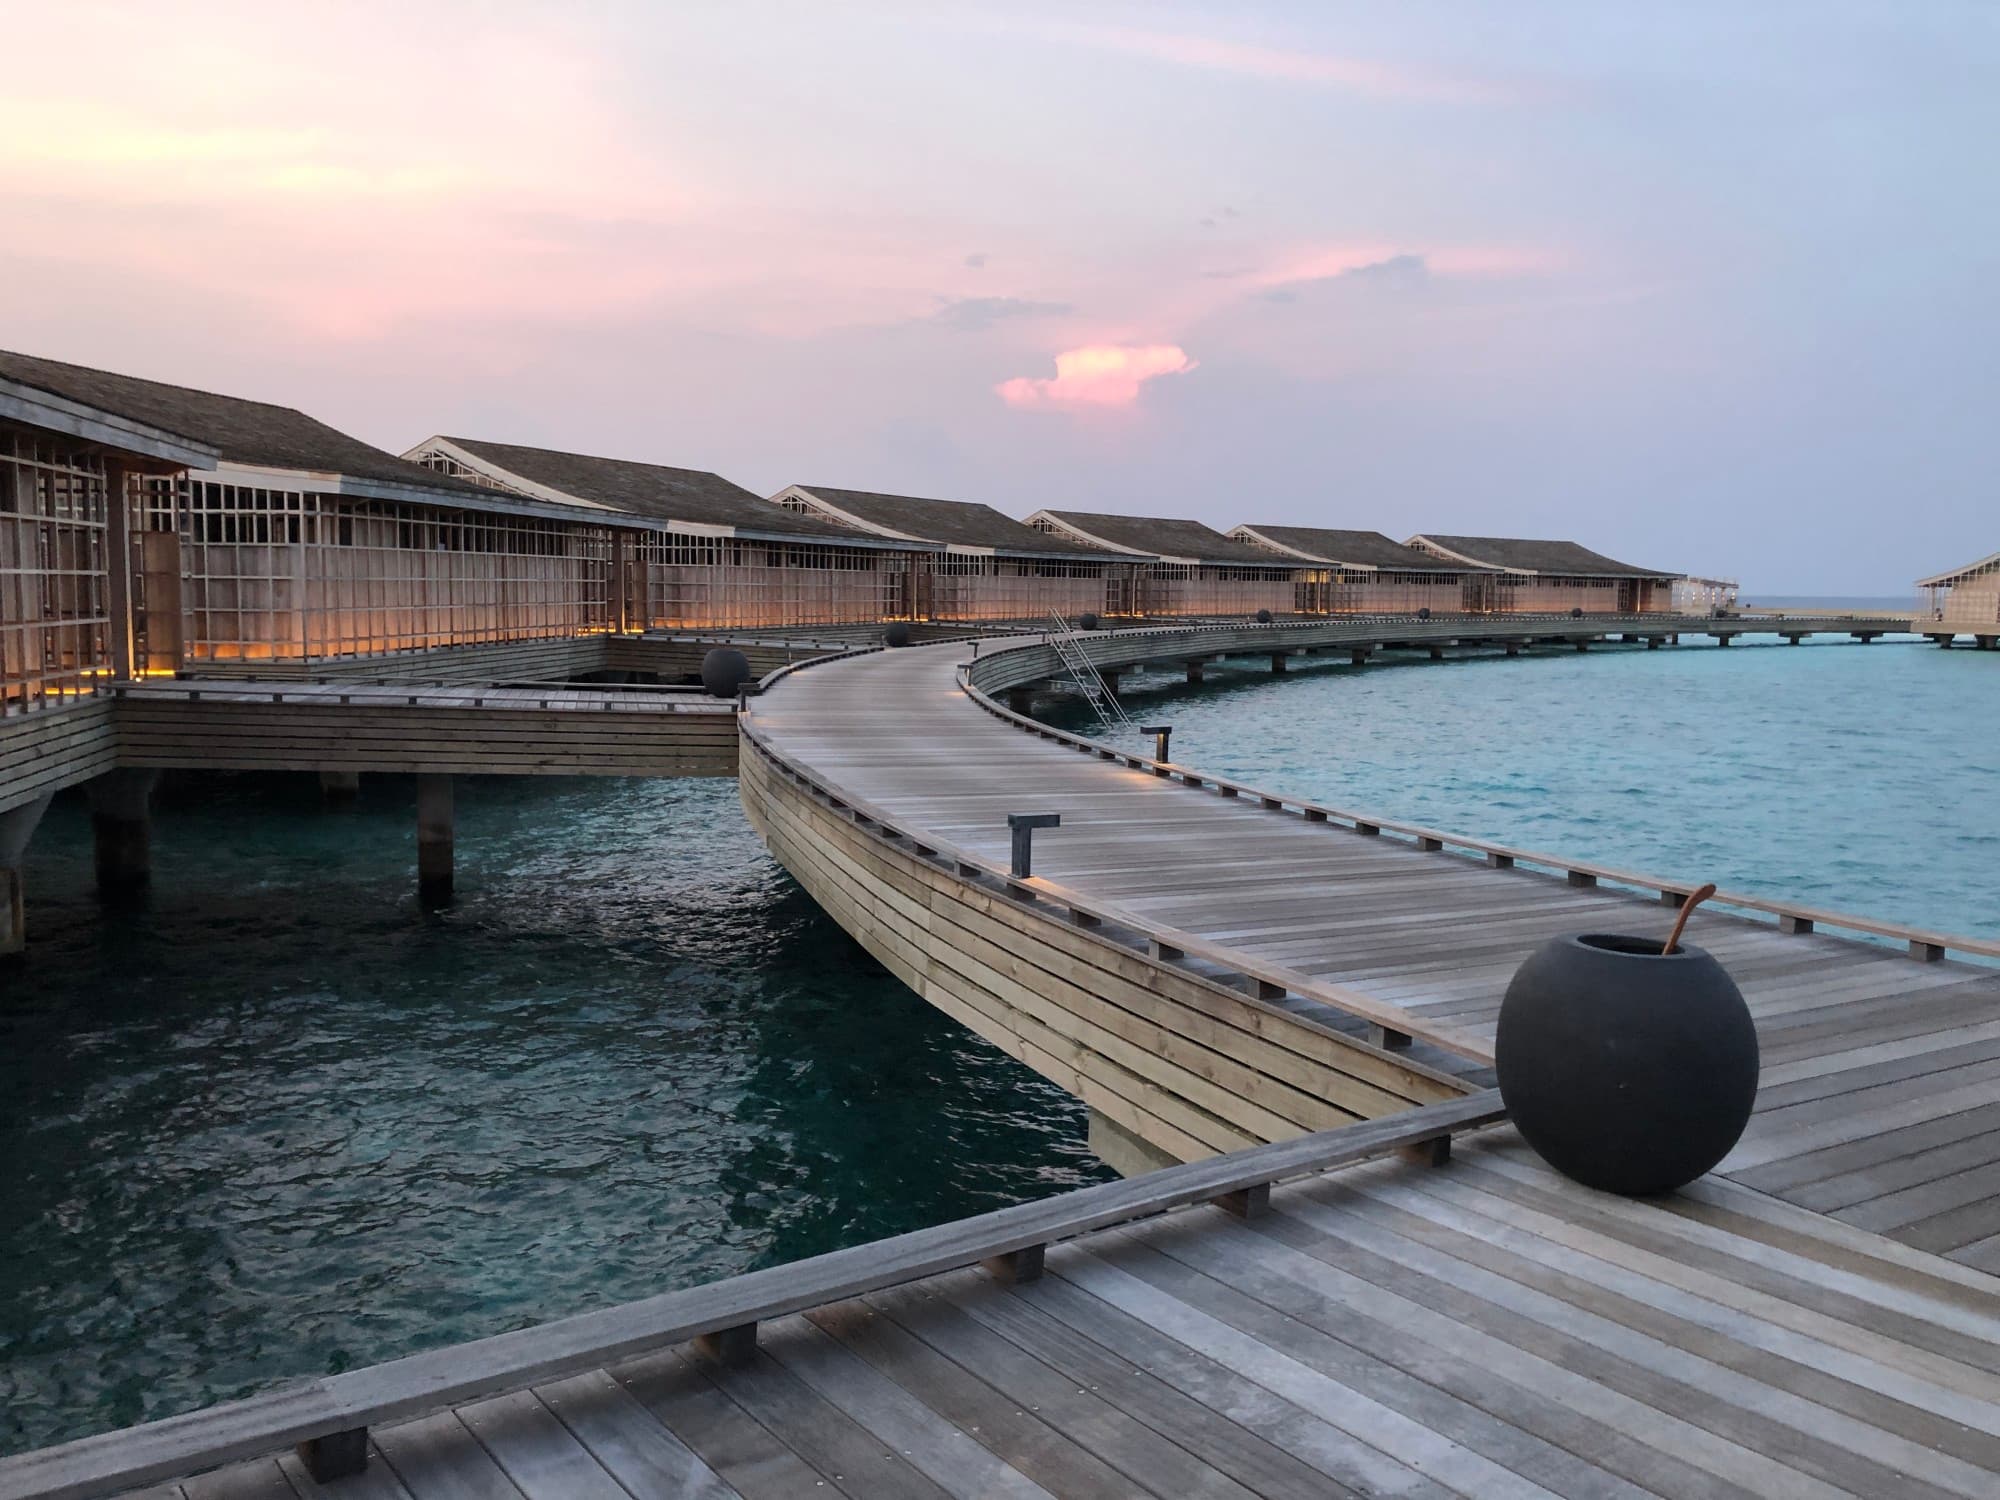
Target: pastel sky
pixel 1709 286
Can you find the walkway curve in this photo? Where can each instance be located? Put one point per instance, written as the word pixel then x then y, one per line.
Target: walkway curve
pixel 1862 1045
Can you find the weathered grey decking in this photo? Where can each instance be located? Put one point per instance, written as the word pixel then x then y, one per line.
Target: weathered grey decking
pixel 1480 1329
pixel 1881 1090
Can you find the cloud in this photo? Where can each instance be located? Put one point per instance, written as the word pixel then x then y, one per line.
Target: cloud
pixel 971 314
pixel 1325 69
pixel 976 261
pixel 1097 375
pixel 1397 270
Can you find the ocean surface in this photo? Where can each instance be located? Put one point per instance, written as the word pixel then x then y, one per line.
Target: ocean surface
pixel 280 1122
pixel 1859 778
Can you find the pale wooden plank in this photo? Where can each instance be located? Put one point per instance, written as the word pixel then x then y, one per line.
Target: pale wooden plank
pixel 632 1445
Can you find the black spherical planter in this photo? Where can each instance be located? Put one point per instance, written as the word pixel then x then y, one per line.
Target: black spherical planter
pixel 1627 1070
pixel 1424 613
pixel 897 635
pixel 1577 613
pixel 1263 617
pixel 1087 620
pixel 723 670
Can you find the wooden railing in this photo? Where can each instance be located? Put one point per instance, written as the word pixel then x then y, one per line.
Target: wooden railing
pixel 1255 979
pixel 334 1412
pixel 1792 917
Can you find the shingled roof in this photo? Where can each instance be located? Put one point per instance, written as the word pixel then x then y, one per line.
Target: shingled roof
pixel 253 433
pixel 1351 549
pixel 1161 536
pixel 1520 555
pixel 653 490
pixel 954 523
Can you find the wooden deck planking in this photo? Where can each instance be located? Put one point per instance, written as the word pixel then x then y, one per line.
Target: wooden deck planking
pixel 1481 1328
pixel 1859 1040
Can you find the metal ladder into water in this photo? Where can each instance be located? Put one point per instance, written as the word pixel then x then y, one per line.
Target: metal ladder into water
pixel 1069 650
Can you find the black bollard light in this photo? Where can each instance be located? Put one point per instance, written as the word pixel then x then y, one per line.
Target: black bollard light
pixel 1023 826
pixel 1161 733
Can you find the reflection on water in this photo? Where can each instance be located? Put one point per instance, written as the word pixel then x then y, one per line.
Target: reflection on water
pixel 279 1122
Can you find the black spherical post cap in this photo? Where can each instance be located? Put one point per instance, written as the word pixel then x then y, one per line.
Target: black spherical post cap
pixel 1576 613
pixel 1424 613
pixel 1628 1070
pixel 723 670
pixel 1087 620
pixel 897 634
pixel 1263 617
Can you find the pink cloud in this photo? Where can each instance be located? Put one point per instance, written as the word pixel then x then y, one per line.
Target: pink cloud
pixel 1097 375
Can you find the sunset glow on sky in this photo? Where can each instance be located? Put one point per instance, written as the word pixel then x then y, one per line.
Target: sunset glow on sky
pixel 1705 286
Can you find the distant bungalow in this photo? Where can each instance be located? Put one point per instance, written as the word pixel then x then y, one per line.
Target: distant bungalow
pixel 1191 570
pixel 982 565
pixel 1364 572
pixel 1544 577
pixel 714 555
pixel 1964 601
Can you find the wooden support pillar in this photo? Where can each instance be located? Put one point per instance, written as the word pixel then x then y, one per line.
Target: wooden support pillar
pixel 1723 640
pixel 1437 653
pixel 1792 638
pixel 1431 1153
pixel 1986 642
pixel 1110 680
pixel 338 1455
pixel 1017 1267
pixel 435 822
pixel 118 561
pixel 1358 656
pixel 1581 645
pixel 736 1345
pixel 1247 1203
pixel 339 788
pixel 1512 648
pixel 1019 699
pixel 121 829
pixel 1278 660
pixel 1194 671
pixel 1652 643
pixel 17 826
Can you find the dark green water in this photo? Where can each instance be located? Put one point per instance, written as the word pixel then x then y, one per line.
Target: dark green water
pixel 280 1122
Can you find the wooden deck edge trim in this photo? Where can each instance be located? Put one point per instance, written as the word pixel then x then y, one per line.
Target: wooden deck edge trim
pixel 1086 913
pixel 1792 917
pixel 173 1447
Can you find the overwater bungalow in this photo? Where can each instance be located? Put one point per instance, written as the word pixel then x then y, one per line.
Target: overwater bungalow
pixel 1187 569
pixel 1704 596
pixel 1963 601
pixel 294 542
pixel 69 455
pixel 981 565
pixel 1364 572
pixel 709 554
pixel 1555 577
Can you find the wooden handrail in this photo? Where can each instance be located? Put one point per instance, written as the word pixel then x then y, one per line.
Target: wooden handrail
pixel 409 1387
pixel 1794 917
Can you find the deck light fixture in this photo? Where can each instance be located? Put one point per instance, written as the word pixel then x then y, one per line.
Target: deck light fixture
pixel 1023 826
pixel 1161 733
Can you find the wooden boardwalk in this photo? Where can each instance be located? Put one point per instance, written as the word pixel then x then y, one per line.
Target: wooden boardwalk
pixel 1881 1088
pixel 1480 1329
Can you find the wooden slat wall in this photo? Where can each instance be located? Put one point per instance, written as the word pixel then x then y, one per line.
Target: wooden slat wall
pixel 1185 1065
pixel 331 736
pixel 536 661
pixel 46 752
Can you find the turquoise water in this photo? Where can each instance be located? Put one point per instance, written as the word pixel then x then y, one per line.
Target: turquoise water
pixel 1861 778
pixel 280 1122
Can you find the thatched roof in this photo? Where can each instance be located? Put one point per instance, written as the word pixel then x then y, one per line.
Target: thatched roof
pixel 1519 555
pixel 1162 536
pixel 954 523
pixel 253 433
pixel 653 490
pixel 1351 549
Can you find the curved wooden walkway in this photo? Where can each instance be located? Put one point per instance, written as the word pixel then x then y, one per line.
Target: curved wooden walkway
pixel 1881 1090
